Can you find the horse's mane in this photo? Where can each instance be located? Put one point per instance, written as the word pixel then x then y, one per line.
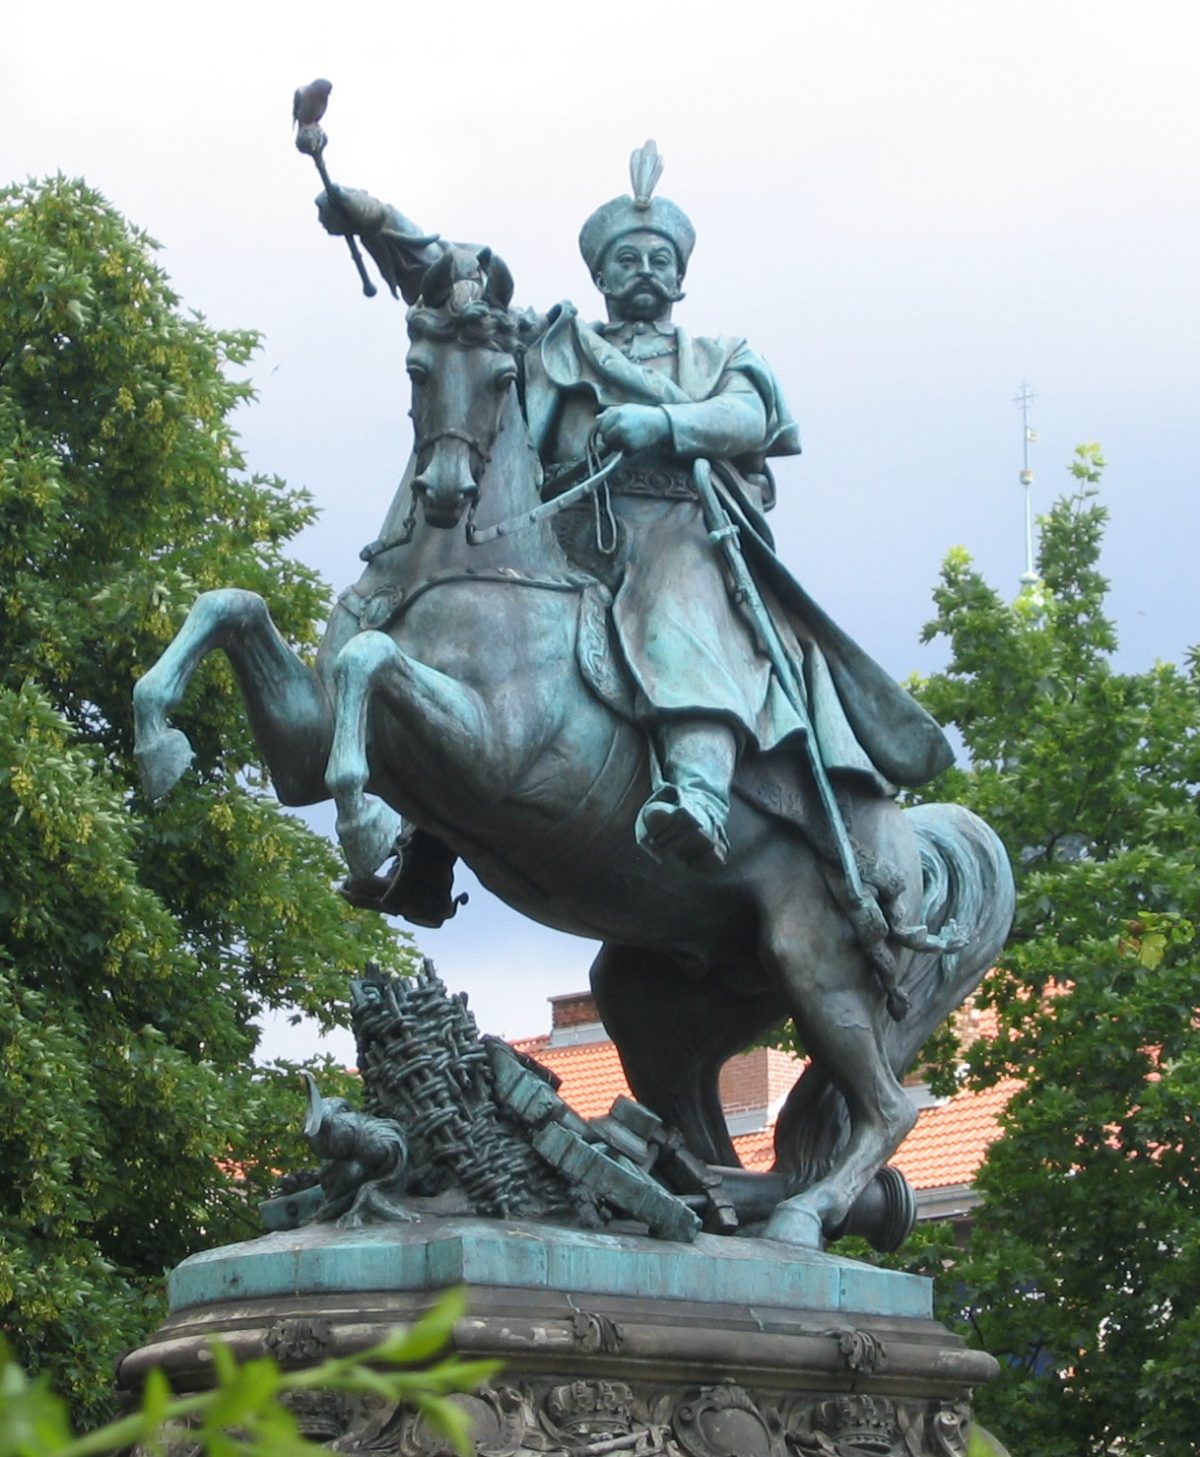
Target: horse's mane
pixel 476 324
pixel 465 299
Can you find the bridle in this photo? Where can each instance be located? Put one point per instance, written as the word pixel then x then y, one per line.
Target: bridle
pixel 423 443
pixel 599 471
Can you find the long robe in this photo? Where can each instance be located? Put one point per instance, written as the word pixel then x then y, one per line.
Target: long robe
pixel 689 649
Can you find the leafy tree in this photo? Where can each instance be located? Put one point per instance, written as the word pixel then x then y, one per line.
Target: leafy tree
pixel 1083 1271
pixel 136 947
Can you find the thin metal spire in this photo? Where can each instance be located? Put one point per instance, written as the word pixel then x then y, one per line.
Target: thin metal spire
pixel 1029 576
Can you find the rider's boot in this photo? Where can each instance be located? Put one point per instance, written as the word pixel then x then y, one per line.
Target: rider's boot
pixel 686 818
pixel 419 885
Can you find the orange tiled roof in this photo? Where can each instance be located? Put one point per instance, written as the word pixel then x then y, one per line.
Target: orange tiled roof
pixel 949 1142
pixel 756 1150
pixel 944 1150
pixel 591 1072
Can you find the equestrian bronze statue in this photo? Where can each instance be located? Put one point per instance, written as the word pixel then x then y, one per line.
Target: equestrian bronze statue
pixel 575 661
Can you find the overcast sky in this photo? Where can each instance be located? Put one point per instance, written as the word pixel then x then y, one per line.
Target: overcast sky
pixel 908 208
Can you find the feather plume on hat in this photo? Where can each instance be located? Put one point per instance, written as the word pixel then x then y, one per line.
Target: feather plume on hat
pixel 645 168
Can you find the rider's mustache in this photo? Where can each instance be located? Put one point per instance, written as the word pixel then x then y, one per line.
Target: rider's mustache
pixel 646 282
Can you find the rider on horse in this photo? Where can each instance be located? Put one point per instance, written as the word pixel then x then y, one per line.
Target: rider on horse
pixel 705 693
pixel 496 680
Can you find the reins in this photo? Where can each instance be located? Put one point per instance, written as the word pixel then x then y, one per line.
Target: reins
pixel 600 471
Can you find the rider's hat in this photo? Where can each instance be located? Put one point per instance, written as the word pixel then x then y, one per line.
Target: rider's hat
pixel 640 212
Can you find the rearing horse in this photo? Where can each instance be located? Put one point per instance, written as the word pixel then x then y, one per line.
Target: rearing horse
pixel 467 683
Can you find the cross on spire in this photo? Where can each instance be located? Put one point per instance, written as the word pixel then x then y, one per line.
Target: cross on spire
pixel 1028 437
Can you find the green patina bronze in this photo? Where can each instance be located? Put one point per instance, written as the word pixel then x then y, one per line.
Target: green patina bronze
pixel 456 1123
pixel 575 660
pixel 526 1254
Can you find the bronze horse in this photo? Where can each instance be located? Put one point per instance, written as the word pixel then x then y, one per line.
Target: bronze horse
pixel 466 683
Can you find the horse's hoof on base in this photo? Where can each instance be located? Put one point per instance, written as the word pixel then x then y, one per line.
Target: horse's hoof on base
pixel 161 762
pixel 795 1225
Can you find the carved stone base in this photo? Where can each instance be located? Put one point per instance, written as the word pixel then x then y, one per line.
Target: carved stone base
pixel 649 1349
pixel 585 1416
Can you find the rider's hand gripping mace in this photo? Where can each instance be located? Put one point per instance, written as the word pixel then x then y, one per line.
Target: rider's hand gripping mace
pixel 308 107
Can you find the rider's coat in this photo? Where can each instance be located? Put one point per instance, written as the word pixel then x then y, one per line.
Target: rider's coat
pixel 690 650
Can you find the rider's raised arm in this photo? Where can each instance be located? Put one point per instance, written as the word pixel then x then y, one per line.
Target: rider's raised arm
pixel 401 251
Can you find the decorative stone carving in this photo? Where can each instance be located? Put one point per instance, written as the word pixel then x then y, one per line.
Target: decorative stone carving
pixel 725 1421
pixel 324 1416
pixel 862 1350
pixel 854 1424
pixel 298 1340
pixel 596 1332
pixel 862 1425
pixel 949 1428
pixel 500 1420
pixel 581 1414
pixel 598 1416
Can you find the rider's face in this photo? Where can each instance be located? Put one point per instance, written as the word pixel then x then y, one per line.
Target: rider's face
pixel 640 276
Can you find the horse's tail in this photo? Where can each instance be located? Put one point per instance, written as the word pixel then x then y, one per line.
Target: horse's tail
pixel 967 899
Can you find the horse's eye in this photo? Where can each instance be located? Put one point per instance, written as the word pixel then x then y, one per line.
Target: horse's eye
pixel 504 379
pixel 417 373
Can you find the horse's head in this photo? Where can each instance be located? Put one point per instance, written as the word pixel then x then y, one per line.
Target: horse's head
pixel 462 366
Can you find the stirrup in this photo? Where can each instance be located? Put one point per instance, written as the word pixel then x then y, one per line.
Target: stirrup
pixel 667 826
pixel 419 887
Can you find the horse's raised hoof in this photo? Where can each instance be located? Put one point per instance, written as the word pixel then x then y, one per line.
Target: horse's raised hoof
pixel 795 1223
pixel 161 761
pixel 367 836
pixel 687 829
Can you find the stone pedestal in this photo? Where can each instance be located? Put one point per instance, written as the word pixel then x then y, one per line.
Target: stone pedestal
pixel 610 1343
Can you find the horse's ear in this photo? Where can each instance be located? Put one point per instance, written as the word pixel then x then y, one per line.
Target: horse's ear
pixel 438 280
pixel 498 288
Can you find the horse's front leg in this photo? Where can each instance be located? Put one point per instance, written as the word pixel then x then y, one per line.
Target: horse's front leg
pixel 437 709
pixel 288 707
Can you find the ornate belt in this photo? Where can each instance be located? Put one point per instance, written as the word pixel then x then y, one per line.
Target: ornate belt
pixel 668 482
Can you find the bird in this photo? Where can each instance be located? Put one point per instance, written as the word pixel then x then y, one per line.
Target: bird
pixel 309 102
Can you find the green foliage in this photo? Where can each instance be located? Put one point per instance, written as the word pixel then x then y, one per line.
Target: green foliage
pixel 926 1251
pixel 246 1413
pixel 1083 1271
pixel 135 947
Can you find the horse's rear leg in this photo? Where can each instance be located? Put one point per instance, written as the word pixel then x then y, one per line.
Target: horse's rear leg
pixel 289 710
pixel 675 1031
pixel 838 1008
